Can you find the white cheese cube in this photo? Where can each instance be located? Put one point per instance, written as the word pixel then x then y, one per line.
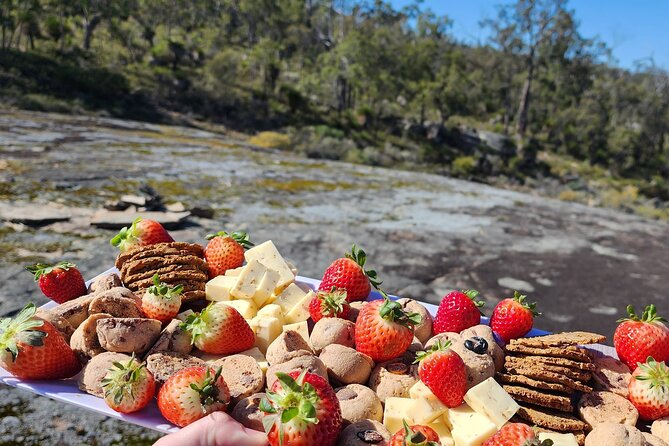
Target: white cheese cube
pixel 289 298
pixel 428 409
pixel 267 329
pixel 247 308
pixel 266 287
pixel 300 311
pixel 256 354
pixel 248 281
pixel 463 416
pixel 473 435
pixel 559 439
pixel 267 254
pixel 301 328
pixel 420 390
pixel 396 411
pixel 443 431
pixel 490 399
pixel 218 288
pixel 272 310
pixel 235 272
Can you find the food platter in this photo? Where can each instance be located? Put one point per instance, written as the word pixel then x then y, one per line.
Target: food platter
pixel 67 391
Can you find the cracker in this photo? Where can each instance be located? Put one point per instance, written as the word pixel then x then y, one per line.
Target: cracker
pixel 561 339
pixel 539 398
pixel 133 267
pixel 549 377
pixel 190 296
pixel 578 375
pixel 569 352
pixel 612 375
pixel 138 252
pixel 173 278
pixel 529 382
pixel 562 362
pixel 160 271
pixel 551 419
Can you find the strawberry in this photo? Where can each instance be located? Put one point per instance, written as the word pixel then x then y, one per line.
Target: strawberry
pixel 516 434
pixel 383 330
pixel 32 348
pixel 443 372
pixel 141 232
pixel 637 338
pixel 128 387
pixel 225 251
pixel 649 390
pixel 219 329
pixel 60 282
pixel 513 318
pixel 331 303
pixel 457 311
pixel 193 393
pixel 161 301
pixel 349 273
pixel 301 410
pixel 415 436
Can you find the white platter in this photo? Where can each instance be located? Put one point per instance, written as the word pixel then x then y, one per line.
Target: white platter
pixel 67 390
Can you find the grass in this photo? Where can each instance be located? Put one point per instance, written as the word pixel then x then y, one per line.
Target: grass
pixel 271 140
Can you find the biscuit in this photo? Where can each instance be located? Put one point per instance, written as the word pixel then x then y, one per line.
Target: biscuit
pixel 569 352
pixel 529 382
pixel 175 278
pixel 550 419
pixel 606 407
pixel 190 296
pixel 161 269
pixel 550 377
pixel 139 252
pixel 539 398
pixel 562 362
pixel 611 375
pixel 578 375
pixel 561 339
pixel 134 268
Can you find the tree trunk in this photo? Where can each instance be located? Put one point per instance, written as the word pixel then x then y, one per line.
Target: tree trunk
pixel 89 28
pixel 524 104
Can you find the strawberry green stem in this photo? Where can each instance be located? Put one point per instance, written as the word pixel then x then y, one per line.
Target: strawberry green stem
pixel 161 289
pixel 520 298
pixel 239 236
pixel 360 257
pixel 393 312
pixel 127 237
pixel 21 329
pixel 649 315
pixel 42 269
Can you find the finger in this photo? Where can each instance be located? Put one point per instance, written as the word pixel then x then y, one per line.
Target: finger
pixel 216 429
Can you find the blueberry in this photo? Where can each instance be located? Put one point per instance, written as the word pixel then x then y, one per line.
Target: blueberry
pixel 477 345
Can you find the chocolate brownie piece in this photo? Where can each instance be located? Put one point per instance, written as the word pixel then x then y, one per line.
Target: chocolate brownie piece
pixel 529 382
pixel 551 419
pixel 539 398
pixel 578 375
pixel 612 375
pixel 561 339
pixel 569 352
pixel 543 375
pixel 562 362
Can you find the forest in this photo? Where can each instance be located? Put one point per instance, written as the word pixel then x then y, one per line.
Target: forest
pixel 360 81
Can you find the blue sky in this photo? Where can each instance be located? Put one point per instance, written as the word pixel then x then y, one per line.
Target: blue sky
pixel 633 30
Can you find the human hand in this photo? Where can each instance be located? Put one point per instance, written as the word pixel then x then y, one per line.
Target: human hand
pixel 216 429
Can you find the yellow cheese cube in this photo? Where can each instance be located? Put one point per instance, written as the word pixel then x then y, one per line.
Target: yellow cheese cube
pixel 420 390
pixel 256 354
pixel 443 431
pixel 267 329
pixel 266 287
pixel 289 297
pixel 300 311
pixel 559 439
pixel 396 411
pixel 428 409
pixel 272 310
pixel 267 254
pixel 218 288
pixel 301 328
pixel 468 427
pixel 235 272
pixel 248 281
pixel 490 399
pixel 247 308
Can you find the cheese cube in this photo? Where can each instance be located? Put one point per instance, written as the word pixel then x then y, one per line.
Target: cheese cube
pixel 463 416
pixel 266 287
pixel 267 329
pixel 300 311
pixel 218 288
pixel 396 411
pixel 272 310
pixel 559 439
pixel 473 435
pixel 420 390
pixel 428 409
pixel 247 308
pixel 267 254
pixel 248 281
pixel 256 354
pixel 235 272
pixel 443 431
pixel 490 399
pixel 301 328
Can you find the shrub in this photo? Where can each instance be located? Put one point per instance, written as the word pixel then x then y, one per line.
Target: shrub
pixel 271 140
pixel 624 198
pixel 570 195
pixel 464 165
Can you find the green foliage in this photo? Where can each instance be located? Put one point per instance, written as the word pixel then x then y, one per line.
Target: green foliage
pixel 464 166
pixel 271 140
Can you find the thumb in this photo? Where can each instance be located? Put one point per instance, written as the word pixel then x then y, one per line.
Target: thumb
pixel 216 429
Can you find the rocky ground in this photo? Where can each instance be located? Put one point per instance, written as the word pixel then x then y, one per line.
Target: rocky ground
pixel 425 234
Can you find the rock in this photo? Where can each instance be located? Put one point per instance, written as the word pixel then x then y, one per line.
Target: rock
pixel 117 220
pixel 34 215
pixel 515 284
pixel 176 207
pixel 134 200
pixel 202 212
pixel 116 205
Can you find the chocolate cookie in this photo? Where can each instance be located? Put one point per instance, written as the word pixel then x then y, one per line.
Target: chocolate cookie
pixel 539 398
pixel 611 375
pixel 142 266
pixel 606 407
pixel 561 339
pixel 160 271
pixel 139 252
pixel 190 296
pixel 529 382
pixel 551 377
pixel 550 419
pixel 578 375
pixel 569 352
pixel 562 362
pixel 173 278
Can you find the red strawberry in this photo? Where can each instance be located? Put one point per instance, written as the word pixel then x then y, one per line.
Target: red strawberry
pixel 192 393
pixel 457 311
pixel 225 251
pixel 515 434
pixel 128 387
pixel 220 329
pixel 60 282
pixel 415 436
pixel 383 330
pixel 141 232
pixel 331 303
pixel 349 273
pixel 32 348
pixel 302 410
pixel 161 301
pixel 649 389
pixel 513 318
pixel 444 373
pixel 637 338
